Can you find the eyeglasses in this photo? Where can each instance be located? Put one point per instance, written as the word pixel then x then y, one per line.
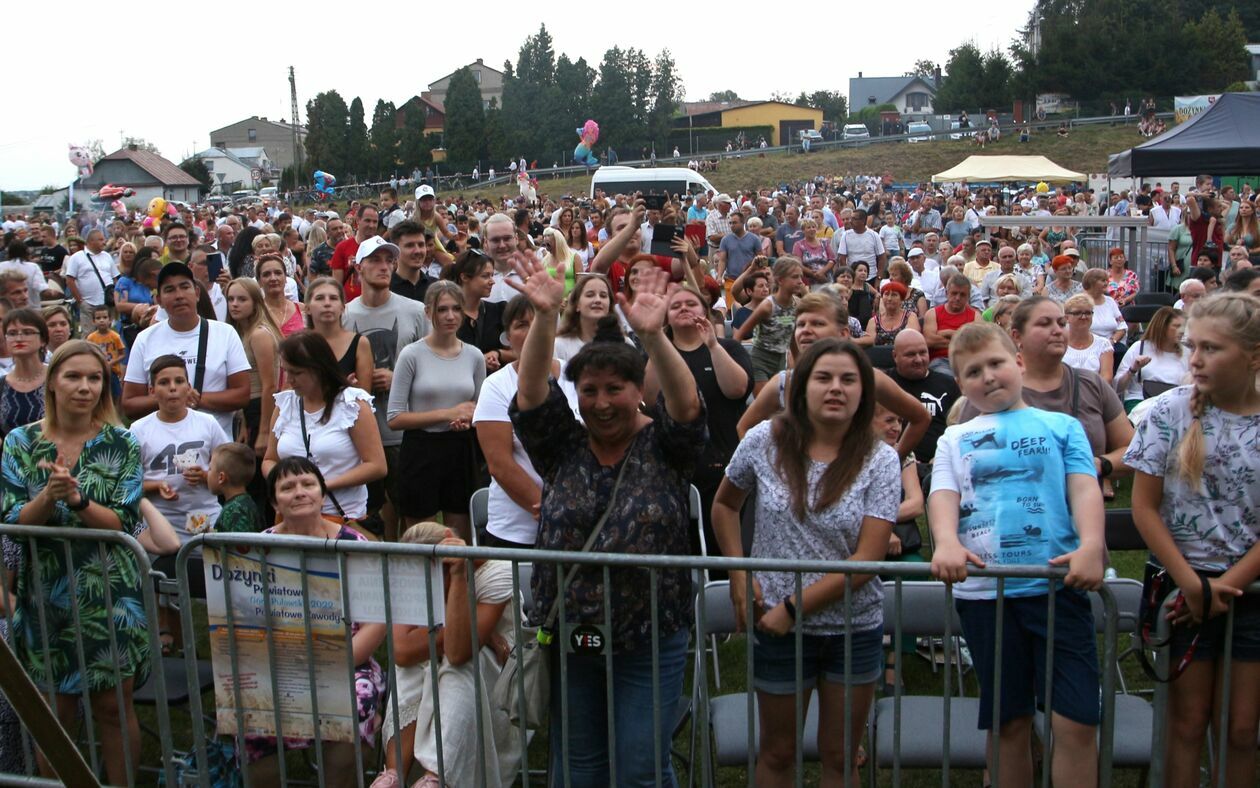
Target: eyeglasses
pixel 20 334
pixel 1078 313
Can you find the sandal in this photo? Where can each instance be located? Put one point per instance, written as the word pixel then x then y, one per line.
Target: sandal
pixel 386 779
pixel 429 781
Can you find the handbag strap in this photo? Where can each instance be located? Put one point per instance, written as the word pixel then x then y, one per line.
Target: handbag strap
pixel 203 342
pixel 590 540
pixel 95 270
pixel 306 442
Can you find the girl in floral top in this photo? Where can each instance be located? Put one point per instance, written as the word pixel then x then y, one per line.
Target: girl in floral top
pixel 1196 493
pixel 580 464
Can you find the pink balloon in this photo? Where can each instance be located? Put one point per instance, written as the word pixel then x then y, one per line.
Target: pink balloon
pixel 118 207
pixel 148 222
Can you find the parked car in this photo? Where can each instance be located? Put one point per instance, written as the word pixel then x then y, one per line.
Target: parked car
pixel 856 134
pixel 244 196
pixel 269 193
pixel 919 131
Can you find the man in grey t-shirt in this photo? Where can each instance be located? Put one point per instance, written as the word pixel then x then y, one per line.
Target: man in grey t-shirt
pixel 737 249
pixel 390 322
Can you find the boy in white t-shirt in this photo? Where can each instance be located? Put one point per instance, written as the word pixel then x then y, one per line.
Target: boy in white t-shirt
pixel 175 447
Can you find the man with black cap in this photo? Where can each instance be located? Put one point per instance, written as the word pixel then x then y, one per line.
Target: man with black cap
pixel 212 352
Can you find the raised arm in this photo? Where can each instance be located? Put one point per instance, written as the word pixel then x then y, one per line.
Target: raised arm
pixel 545 292
pixel 612 249
pixel 647 318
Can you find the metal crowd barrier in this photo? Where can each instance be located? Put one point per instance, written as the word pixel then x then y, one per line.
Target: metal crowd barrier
pixel 44 727
pixel 327 578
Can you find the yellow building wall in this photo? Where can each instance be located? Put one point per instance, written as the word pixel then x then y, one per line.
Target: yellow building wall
pixel 771 115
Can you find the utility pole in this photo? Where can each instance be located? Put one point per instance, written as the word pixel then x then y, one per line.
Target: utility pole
pixel 294 123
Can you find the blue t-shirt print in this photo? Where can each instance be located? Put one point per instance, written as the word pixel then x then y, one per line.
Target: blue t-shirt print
pixel 1010 471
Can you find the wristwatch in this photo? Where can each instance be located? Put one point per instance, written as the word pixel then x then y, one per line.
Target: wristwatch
pixel 1105 467
pixel 84 502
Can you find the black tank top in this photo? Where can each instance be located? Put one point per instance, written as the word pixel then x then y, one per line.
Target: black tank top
pixel 347 362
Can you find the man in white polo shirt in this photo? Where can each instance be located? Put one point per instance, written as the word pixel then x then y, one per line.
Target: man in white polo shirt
pixel 89 274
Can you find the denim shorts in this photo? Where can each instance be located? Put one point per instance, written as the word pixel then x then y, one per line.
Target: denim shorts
pixel 774 660
pixel 1075 685
pixel 1211 645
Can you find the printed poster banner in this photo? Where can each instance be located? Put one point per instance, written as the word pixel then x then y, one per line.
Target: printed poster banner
pixel 289 681
pixel 1186 107
pixel 305 672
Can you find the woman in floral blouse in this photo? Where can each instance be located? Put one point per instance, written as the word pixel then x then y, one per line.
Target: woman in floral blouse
pixel 1122 284
pixel 580 464
pixel 77 468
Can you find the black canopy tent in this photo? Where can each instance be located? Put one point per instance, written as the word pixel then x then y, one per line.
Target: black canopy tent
pixel 1224 139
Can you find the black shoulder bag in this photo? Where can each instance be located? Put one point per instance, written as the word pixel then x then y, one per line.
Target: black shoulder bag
pixel 108 290
pixel 1151 388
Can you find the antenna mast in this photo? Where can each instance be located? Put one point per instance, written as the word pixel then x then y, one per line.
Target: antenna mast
pixel 294 123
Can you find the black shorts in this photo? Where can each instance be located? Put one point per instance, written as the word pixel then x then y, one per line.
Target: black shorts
pixel 437 472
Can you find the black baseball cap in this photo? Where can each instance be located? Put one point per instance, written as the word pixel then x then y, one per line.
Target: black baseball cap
pixel 172 269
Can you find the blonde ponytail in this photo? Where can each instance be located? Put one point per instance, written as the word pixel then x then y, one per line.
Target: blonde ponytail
pixel 1191 451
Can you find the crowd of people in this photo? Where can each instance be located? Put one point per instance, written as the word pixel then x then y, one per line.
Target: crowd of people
pixel 822 361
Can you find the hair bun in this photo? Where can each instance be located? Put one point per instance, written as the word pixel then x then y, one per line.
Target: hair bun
pixel 608 329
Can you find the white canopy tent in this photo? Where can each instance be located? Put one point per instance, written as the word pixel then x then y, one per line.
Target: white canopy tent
pixel 1007 168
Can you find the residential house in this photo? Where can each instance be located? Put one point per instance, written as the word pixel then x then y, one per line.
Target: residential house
pixel 912 96
pixel 231 169
pixel 434 113
pixel 489 80
pixel 276 137
pixel 147 173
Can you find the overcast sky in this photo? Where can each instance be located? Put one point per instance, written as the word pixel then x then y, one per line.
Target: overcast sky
pixel 171 72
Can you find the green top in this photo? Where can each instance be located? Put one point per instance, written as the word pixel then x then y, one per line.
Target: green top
pixel 240 515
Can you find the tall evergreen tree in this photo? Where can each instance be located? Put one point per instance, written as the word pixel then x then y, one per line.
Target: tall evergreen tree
pixel 465 119
pixel 357 159
pixel 612 103
pixel 327 123
pixel 384 139
pixel 667 91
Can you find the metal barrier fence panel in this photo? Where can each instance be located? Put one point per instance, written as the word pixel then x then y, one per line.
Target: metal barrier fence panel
pixel 113 550
pixel 290 660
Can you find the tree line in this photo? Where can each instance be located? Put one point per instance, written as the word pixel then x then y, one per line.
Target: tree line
pixel 1099 51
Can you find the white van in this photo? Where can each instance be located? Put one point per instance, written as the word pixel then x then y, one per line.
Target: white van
pixel 649 180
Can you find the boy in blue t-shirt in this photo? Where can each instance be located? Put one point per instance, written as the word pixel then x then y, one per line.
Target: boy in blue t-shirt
pixel 1006 488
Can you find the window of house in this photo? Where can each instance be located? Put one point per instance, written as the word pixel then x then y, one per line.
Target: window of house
pixel 209 164
pixel 917 101
pixel 253 135
pixel 477 75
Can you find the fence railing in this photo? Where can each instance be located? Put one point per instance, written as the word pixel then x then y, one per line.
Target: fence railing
pixel 284 613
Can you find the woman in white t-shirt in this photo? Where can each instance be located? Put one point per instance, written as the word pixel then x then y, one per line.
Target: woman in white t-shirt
pixel 1155 364
pixel 323 418
pixel 1085 349
pixel 1108 322
pixel 513 504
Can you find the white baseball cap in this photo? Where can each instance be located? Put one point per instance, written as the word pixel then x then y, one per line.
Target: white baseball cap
pixel 915 252
pixel 374 244
pixel 425 190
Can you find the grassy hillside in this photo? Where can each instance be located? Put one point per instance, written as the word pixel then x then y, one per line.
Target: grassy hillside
pixel 1086 150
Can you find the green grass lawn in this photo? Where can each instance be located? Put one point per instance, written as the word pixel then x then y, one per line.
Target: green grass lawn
pixel 1085 150
pixel 920 678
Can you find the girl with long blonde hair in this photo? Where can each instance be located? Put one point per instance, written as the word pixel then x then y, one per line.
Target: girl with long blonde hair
pixel 1195 495
pixel 247 313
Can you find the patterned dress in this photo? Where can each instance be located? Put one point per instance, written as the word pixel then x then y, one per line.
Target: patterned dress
pixel 109 473
pixel 649 516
